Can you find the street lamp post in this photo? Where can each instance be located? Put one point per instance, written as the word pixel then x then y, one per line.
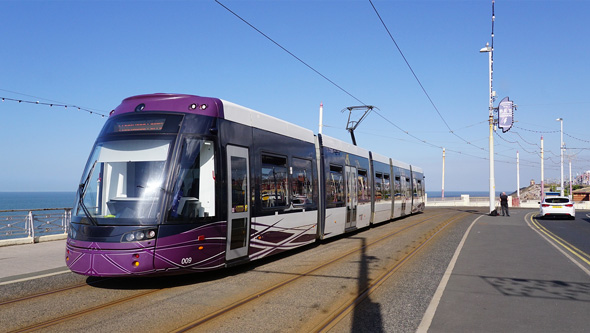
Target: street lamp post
pixel 561 179
pixel 489 50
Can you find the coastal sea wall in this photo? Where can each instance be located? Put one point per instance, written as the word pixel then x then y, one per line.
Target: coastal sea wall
pixel 465 200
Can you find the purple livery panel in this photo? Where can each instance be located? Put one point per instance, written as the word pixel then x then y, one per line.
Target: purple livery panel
pixel 269 239
pixel 206 106
pixel 198 249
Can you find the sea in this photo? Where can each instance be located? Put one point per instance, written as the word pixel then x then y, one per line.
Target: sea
pixel 36 200
pixel 452 194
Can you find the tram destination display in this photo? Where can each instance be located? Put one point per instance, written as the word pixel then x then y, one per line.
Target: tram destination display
pixel 139 126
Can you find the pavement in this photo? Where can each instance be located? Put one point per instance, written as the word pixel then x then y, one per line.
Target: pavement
pixel 506 275
pixel 29 261
pixel 509 276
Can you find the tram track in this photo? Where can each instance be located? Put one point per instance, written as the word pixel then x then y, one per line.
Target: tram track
pixel 55 291
pixel 61 293
pixel 228 310
pixel 78 314
pixel 346 308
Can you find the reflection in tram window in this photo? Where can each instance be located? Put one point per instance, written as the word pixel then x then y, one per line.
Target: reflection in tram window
pixel 407 187
pixel 335 187
pixel 301 182
pixel 418 190
pixel 386 188
pixel 363 187
pixel 239 184
pixel 378 186
pixel 273 187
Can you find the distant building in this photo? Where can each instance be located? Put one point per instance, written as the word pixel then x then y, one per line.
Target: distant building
pixel 583 179
pixel 582 194
pixel 532 182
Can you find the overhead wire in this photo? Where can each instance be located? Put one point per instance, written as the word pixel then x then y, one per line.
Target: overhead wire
pixel 432 102
pixel 290 53
pixel 331 81
pixel 79 108
pixel 378 113
pixel 417 79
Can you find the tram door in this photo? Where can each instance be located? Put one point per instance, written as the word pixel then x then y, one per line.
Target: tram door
pixel 351 196
pixel 238 217
pixel 404 196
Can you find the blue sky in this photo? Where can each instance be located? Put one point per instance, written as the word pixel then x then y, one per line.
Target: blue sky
pixel 93 54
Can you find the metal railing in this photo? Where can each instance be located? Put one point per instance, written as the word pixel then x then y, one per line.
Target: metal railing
pixel 463 200
pixel 31 223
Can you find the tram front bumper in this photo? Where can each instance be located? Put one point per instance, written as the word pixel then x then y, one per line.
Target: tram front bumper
pixel 108 259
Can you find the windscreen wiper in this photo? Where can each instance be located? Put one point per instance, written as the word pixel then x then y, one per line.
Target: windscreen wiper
pixel 82 193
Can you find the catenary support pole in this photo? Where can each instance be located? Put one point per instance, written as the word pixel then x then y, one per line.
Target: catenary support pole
pixel 518 177
pixel 321 117
pixel 542 171
pixel 443 176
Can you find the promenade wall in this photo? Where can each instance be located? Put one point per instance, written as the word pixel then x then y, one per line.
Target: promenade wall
pixel 466 201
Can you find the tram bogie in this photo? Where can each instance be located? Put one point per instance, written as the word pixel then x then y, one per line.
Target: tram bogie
pixel 182 183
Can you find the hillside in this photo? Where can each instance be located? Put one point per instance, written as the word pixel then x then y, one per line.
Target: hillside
pixel 532 192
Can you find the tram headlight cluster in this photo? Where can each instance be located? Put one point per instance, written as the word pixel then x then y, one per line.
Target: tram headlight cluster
pixel 72 232
pixel 195 106
pixel 139 235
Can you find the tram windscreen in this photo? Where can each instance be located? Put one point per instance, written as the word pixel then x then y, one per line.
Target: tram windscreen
pixel 124 181
pixel 194 191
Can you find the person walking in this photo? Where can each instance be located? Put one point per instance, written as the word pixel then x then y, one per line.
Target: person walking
pixel 504 203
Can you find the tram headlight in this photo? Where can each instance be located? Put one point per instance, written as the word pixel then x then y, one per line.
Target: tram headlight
pixel 72 233
pixel 139 235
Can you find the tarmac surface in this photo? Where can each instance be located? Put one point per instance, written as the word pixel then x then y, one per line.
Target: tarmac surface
pixel 512 276
pixel 507 274
pixel 30 261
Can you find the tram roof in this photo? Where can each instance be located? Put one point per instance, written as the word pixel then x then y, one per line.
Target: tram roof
pixel 331 142
pixel 212 107
pixel 246 116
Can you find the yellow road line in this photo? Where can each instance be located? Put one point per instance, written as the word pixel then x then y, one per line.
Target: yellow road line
pixel 567 246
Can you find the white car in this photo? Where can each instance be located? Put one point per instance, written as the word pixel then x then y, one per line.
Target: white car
pixel 558 206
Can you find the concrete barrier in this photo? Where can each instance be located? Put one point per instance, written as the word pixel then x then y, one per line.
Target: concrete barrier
pixel 466 201
pixel 31 240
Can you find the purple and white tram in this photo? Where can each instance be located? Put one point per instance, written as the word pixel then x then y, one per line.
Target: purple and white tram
pixel 183 183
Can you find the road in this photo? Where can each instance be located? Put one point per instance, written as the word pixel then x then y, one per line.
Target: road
pixel 575 232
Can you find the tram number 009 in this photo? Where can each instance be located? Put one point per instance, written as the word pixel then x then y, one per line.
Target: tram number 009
pixel 186 261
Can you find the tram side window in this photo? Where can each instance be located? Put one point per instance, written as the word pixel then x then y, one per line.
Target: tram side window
pixel 378 186
pixel 194 192
pixel 386 188
pixel 420 188
pixel 239 184
pixel 301 182
pixel 407 187
pixel 397 187
pixel 363 187
pixel 335 187
pixel 273 189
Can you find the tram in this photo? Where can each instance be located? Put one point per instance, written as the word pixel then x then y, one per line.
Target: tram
pixel 183 183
